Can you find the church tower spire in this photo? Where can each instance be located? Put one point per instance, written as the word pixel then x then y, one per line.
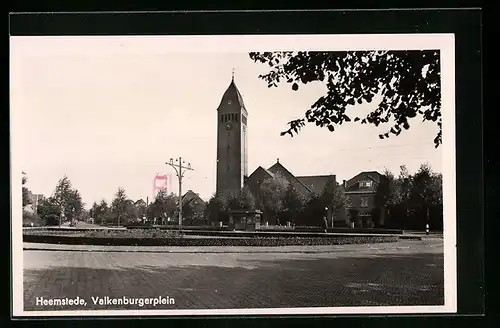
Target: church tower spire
pixel 232 149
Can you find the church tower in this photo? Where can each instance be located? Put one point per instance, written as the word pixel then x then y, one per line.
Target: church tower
pixel 232 151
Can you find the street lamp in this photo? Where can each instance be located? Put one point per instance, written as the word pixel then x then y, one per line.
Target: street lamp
pixel 178 166
pixel 326 219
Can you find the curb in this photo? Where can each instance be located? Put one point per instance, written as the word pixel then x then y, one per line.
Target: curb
pixel 217 251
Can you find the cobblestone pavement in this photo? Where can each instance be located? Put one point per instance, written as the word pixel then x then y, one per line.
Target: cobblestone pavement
pixel 409 273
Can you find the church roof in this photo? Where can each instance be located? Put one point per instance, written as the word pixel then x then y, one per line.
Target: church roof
pixel 232 93
pixel 266 171
pixel 315 183
pixel 278 168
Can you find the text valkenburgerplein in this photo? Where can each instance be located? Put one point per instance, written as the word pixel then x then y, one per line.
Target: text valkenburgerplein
pixel 106 300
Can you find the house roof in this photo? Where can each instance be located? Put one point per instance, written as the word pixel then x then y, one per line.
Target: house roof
pixel 190 195
pixel 373 175
pixel 315 183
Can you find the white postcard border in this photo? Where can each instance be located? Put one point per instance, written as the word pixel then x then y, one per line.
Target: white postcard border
pixel 246 43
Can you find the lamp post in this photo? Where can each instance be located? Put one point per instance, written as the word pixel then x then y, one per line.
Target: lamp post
pixel 326 219
pixel 178 165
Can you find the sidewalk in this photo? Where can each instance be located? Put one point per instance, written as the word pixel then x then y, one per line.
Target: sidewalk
pixel 233 249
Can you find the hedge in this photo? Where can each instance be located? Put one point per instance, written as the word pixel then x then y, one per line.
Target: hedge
pixel 277 229
pixel 259 241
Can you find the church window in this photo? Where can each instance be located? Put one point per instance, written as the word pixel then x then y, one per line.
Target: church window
pixel 236 117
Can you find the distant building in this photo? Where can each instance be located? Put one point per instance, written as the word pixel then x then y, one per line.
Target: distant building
pixel 195 202
pixel 35 200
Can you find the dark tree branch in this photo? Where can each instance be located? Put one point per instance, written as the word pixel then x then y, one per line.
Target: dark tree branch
pixel 409 83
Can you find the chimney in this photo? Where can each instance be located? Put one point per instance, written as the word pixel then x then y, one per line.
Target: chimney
pixel 343 183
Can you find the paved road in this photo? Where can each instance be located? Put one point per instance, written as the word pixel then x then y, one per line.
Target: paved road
pixel 406 273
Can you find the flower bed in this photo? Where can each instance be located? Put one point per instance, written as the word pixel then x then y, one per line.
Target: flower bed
pixel 276 228
pixel 105 233
pixel 229 241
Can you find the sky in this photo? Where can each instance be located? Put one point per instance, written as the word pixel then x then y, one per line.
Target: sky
pixel 109 112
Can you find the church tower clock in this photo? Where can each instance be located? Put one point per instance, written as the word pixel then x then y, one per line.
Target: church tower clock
pixel 232 151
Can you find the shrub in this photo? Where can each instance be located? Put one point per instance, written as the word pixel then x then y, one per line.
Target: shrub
pixel 31 218
pixel 353 214
pixel 52 220
pixel 376 214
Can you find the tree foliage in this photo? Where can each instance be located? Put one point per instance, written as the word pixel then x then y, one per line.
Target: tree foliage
pixel 244 201
pixel 272 193
pixel 140 208
pixel 26 192
pixel 385 192
pixel 334 196
pixel 412 200
pixel 314 211
pixel 408 82
pixel 215 208
pixel 74 206
pixel 293 204
pixel 164 205
pixel 427 187
pixel 101 212
pixel 68 199
pixel 120 206
pixel 49 207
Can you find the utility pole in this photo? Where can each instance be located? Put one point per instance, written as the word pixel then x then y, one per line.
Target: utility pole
pixel 178 165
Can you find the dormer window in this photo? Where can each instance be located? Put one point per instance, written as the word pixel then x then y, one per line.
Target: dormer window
pixel 229 102
pixel 365 184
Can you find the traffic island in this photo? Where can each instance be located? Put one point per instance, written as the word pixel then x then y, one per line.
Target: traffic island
pixel 147 237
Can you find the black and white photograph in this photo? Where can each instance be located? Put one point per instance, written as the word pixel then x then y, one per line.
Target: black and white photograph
pixel 233 175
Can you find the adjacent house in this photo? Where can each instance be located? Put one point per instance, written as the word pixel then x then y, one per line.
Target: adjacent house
pixel 360 190
pixel 195 202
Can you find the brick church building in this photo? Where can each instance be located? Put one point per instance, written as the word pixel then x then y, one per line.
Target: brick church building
pixel 232 158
